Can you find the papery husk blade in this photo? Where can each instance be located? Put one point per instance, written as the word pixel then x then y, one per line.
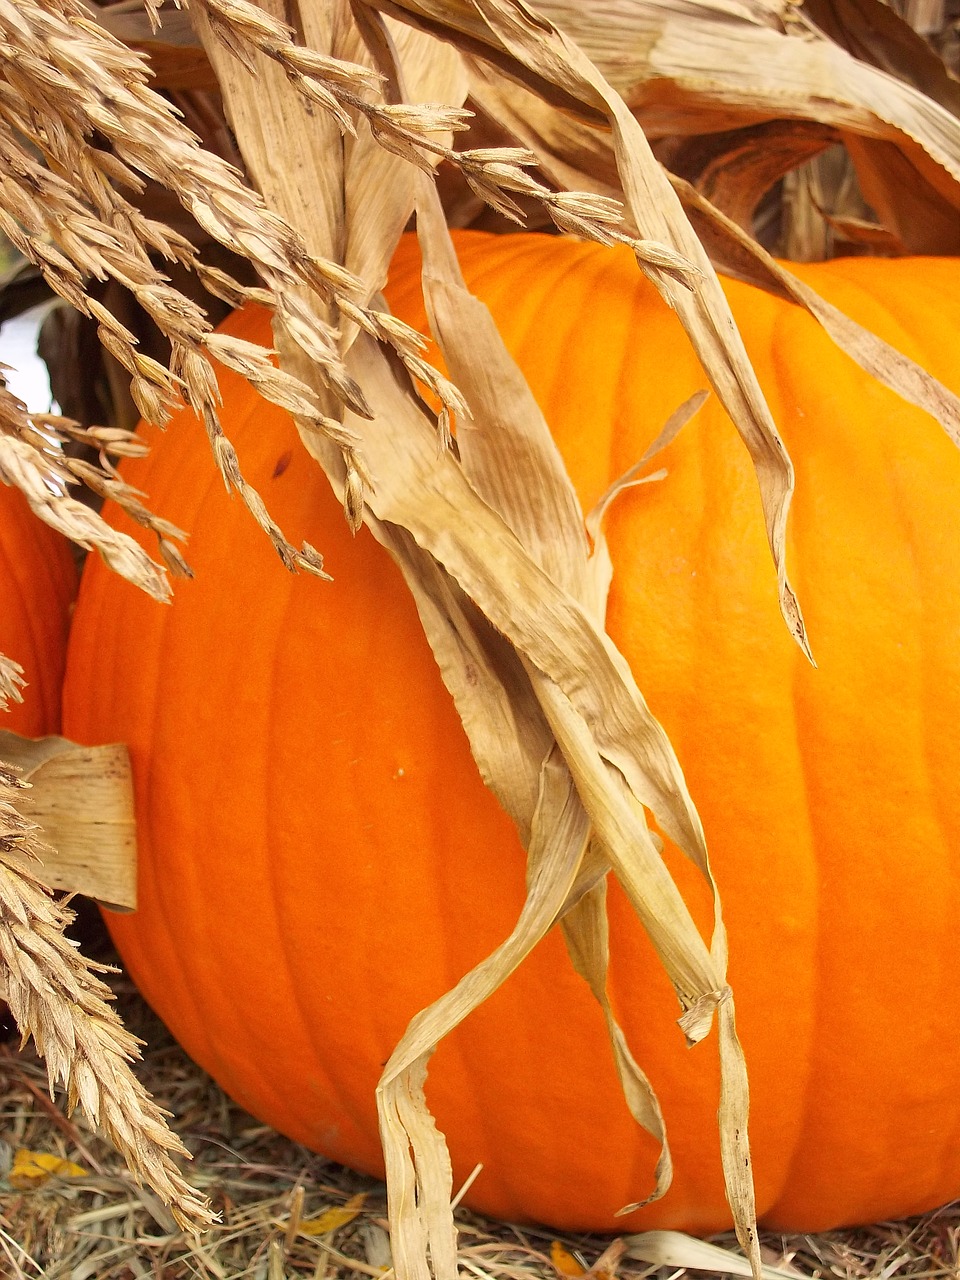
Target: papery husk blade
pixel 573 153
pixel 609 809
pixel 382 184
pixel 743 257
pixel 82 798
pixel 728 73
pixel 674 1249
pixel 415 1151
pixel 508 735
pixel 874 32
pixel 586 933
pixel 515 36
pixel 506 447
pixel 704 66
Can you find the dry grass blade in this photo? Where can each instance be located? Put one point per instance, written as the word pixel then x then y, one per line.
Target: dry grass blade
pixel 56 998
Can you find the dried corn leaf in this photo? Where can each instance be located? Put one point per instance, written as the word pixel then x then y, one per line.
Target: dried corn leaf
pixel 477 551
pixel 532 48
pixel 875 33
pixel 707 68
pixel 742 256
pixel 574 153
pixel 82 798
pixel 674 1249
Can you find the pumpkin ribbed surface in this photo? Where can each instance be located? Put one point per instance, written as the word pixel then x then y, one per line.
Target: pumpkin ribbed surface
pixel 38 583
pixel 319 859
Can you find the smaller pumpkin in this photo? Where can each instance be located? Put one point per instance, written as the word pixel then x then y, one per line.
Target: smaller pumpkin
pixel 38 585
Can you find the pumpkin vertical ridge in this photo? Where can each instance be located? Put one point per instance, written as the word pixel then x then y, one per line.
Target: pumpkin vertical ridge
pixel 549 1086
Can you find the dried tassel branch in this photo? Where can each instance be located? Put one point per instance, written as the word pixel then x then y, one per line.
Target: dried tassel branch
pixel 33 459
pixel 57 999
pixel 495 174
pixel 66 215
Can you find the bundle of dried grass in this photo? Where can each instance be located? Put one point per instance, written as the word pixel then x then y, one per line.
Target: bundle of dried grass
pixel 342 124
pixel 57 999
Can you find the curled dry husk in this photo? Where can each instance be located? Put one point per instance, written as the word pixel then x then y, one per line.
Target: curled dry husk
pixel 557 725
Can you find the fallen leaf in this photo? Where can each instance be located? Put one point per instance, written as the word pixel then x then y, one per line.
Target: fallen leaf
pixel 334 1218
pixel 33 1168
pixel 564 1261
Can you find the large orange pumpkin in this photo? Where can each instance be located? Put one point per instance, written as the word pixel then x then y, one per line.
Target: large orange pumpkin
pixel 38 583
pixel 310 811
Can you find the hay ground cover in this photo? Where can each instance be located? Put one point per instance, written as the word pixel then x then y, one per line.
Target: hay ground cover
pixel 290 1214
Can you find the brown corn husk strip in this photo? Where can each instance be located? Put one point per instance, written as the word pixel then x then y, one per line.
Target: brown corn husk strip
pixel 709 68
pixel 586 933
pixel 743 257
pixel 572 152
pixel 888 41
pixel 407 131
pixel 57 999
pixel 508 33
pixel 454 549
pixel 82 798
pixel 663 914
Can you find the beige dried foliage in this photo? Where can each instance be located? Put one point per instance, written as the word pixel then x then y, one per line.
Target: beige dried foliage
pixel 343 118
pixel 699 66
pixel 82 798
pixel 572 151
pixel 58 1000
